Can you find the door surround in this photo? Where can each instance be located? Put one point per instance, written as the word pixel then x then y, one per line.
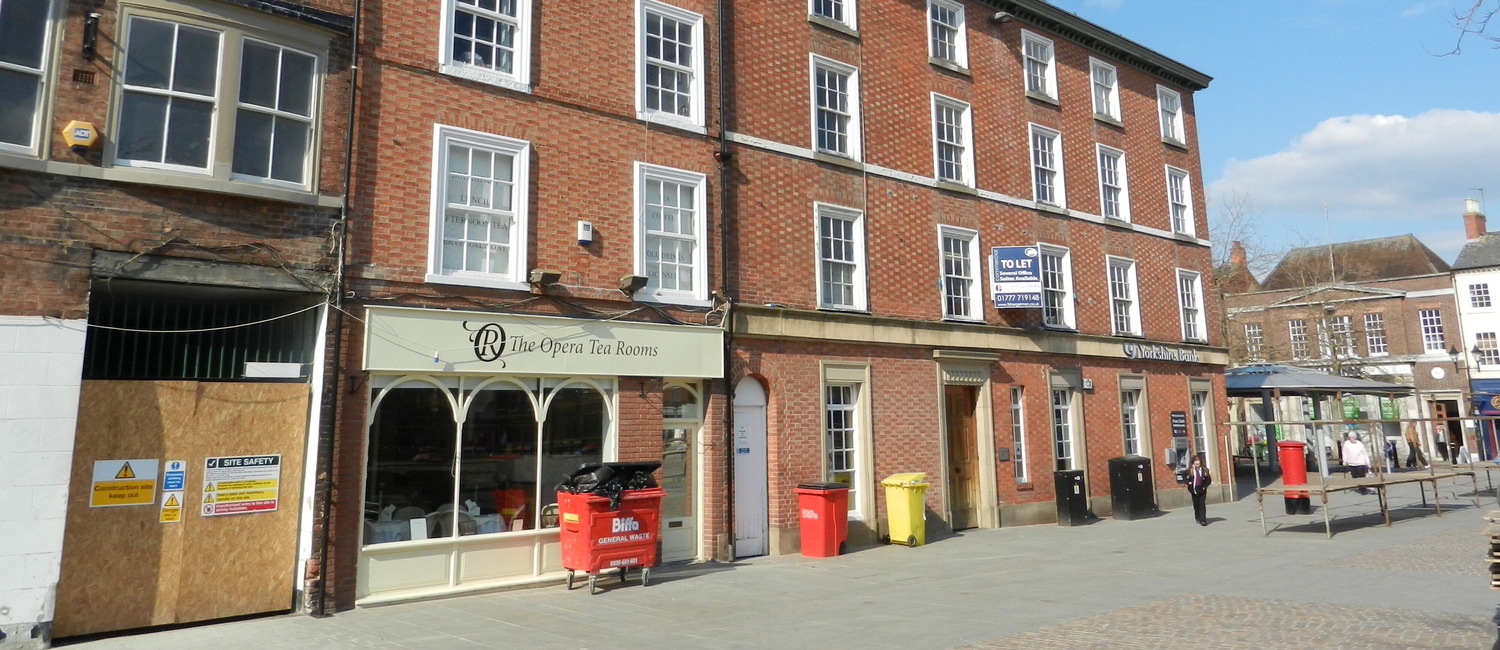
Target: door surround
pixel 963 368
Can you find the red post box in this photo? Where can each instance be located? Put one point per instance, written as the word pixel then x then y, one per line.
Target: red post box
pixel 1293 459
pixel 824 509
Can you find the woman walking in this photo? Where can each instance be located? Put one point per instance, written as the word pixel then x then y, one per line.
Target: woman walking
pixel 1198 481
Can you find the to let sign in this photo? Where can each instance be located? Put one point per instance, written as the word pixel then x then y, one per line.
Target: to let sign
pixel 1016 277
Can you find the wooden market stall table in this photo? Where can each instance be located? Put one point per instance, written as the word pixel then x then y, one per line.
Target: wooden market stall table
pixel 1331 484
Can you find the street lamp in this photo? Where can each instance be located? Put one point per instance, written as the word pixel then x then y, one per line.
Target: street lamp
pixel 1453 354
pixel 1478 357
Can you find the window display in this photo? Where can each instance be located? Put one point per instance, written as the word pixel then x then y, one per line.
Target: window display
pixel 455 461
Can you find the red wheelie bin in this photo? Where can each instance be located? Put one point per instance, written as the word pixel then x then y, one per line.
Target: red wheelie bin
pixel 596 538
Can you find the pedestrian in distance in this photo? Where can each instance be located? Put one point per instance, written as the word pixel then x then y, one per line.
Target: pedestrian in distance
pixel 1390 456
pixel 1356 458
pixel 1198 481
pixel 1414 456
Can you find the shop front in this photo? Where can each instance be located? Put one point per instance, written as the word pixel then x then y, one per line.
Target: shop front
pixel 474 418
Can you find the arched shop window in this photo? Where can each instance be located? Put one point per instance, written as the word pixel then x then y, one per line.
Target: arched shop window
pixel 460 456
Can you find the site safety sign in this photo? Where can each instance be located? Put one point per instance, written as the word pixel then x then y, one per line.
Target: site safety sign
pixel 234 485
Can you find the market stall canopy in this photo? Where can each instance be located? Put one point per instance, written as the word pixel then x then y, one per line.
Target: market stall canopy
pixel 1252 380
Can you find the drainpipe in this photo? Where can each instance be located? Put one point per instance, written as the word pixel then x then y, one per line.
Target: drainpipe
pixel 342 241
pixel 723 157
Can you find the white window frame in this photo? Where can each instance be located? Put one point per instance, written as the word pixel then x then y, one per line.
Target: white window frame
pixel 856 220
pixel 232 37
pixel 1104 80
pixel 1190 305
pixel 1018 434
pixel 960 55
pixel 1039 72
pixel 1120 273
pixel 44 78
pixel 644 173
pixel 861 485
pixel 1169 106
pixel 1296 331
pixel 1047 165
pixel 852 134
pixel 1130 421
pixel 1062 292
pixel 1431 323
pixel 694 121
pixel 965 142
pixel 1180 201
pixel 519 78
pixel 1489 349
pixel 850 8
pixel 1198 419
pixel 1375 340
pixel 520 152
pixel 1064 440
pixel 1479 295
pixel 968 277
pixel 1255 340
pixel 1113 181
pixel 1336 336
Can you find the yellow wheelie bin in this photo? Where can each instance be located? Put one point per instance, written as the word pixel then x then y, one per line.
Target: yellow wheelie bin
pixel 906 518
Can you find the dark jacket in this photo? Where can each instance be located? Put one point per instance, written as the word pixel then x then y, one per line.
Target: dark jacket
pixel 1204 482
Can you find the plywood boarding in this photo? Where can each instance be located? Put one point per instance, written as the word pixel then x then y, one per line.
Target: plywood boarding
pixel 122 569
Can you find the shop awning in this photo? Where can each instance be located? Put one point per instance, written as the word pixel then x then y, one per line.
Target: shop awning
pixel 1255 379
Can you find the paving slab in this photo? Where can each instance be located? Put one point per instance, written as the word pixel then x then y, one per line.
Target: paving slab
pixel 1159 582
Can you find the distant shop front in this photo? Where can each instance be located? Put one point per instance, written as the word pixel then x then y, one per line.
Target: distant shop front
pixel 474 417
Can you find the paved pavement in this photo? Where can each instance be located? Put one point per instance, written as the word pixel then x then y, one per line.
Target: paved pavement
pixel 1161 582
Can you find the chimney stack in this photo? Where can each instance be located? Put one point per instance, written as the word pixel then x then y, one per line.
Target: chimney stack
pixel 1237 255
pixel 1473 220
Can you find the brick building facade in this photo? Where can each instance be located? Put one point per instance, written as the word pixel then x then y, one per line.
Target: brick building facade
pixel 755 247
pixel 880 150
pixel 1380 309
pixel 532 286
pixel 171 183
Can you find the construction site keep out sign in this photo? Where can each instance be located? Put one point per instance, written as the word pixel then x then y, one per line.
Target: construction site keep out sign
pixel 129 482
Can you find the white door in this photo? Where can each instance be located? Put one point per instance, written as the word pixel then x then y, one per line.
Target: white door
pixel 751 524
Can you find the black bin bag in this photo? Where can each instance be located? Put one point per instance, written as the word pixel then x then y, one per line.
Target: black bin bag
pixel 609 479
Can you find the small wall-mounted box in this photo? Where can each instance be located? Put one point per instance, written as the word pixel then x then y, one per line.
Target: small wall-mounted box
pixel 585 233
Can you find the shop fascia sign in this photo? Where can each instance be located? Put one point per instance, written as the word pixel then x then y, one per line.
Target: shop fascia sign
pixel 1158 353
pixel 409 340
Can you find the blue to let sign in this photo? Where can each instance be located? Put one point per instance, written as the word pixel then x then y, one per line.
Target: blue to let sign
pixel 1016 277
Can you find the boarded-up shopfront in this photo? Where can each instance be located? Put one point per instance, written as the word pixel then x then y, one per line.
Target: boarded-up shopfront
pixel 185 498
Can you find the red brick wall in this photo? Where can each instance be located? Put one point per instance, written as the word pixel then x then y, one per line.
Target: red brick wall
pixel 905 399
pixel 774 248
pixel 54 222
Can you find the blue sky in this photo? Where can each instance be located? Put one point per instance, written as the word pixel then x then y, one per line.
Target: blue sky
pixel 1334 120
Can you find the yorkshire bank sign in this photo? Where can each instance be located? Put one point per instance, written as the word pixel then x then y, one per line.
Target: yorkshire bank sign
pixel 409 340
pixel 1158 353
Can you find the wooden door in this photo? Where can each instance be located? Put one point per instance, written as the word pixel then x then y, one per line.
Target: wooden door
pixel 963 456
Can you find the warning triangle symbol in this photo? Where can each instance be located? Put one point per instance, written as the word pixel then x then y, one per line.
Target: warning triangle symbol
pixel 171 501
pixel 208 488
pixel 208 498
pixel 125 472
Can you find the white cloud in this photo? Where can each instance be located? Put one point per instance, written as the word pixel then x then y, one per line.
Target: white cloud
pixel 1386 173
pixel 1422 8
pixel 1104 4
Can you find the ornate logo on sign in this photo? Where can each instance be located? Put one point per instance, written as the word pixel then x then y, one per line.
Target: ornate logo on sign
pixel 488 340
